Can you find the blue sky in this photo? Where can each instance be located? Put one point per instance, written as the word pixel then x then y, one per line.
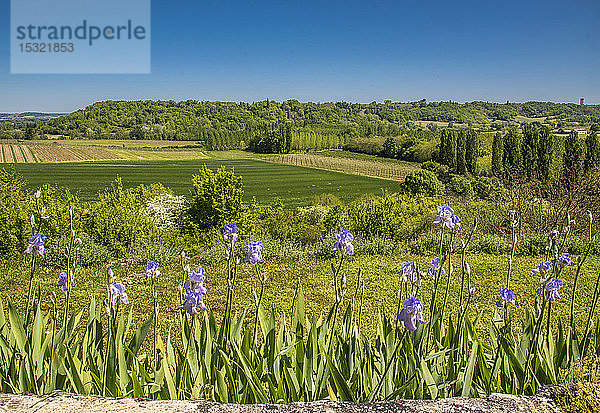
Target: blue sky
pixel 356 51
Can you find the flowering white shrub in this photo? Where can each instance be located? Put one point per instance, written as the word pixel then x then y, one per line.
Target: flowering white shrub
pixel 166 210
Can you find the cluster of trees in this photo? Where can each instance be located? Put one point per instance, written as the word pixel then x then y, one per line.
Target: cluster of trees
pixel 192 119
pixel 537 153
pixel 460 150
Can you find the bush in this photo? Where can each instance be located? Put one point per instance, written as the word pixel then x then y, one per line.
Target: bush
pixel 326 200
pixel 423 182
pixel 216 198
pixel 460 186
pixel 486 187
pixel 167 211
pixel 117 220
pixel 397 216
pixel 15 226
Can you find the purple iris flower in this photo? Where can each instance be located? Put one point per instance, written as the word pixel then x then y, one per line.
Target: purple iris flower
pixel 254 254
pixel 435 265
pixel 344 242
pixel 195 281
pixel 152 270
pixel 565 260
pixel 63 282
pixel 230 232
pixel 118 292
pixel 412 311
pixel 447 217
pixel 408 272
pixel 551 289
pixel 193 301
pixel 542 269
pixel 506 296
pixel 36 245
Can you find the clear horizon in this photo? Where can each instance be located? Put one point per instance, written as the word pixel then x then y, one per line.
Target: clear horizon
pixel 341 51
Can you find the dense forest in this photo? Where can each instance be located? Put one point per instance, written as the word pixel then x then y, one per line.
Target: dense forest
pixel 227 124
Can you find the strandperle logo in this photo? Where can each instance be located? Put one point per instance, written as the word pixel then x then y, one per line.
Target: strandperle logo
pixel 85 31
pixel 80 37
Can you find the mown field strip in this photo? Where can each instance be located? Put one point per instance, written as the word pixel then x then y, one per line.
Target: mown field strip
pixel 27 154
pixel 8 158
pixel 18 155
pixel 351 166
pixel 2 154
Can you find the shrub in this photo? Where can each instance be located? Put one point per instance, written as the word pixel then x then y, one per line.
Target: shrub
pixel 14 213
pixel 216 198
pixel 423 182
pixel 486 187
pixel 460 186
pixel 397 216
pixel 167 211
pixel 117 220
pixel 326 200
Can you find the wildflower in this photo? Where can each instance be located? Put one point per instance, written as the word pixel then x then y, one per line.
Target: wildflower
pixel 506 296
pixel 38 193
pixel 36 245
pixel 152 270
pixel 63 282
pixel 435 265
pixel 254 254
pixel 193 301
pixel 554 233
pixel 230 232
pixel 541 269
pixel 110 274
pixel 511 214
pixel 447 217
pixel 195 281
pixel 412 311
pixel 118 292
pixel 344 242
pixel 408 272
pixel 565 260
pixel 551 289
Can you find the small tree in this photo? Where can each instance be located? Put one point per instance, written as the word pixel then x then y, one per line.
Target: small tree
pixel 592 151
pixel 390 148
pixel 573 160
pixel 216 198
pixel 497 154
pixel 461 147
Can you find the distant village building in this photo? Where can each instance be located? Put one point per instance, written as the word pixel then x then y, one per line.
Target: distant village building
pixel 580 101
pixel 581 131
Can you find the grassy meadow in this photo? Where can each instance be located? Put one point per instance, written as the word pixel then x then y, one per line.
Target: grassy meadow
pixel 265 181
pixel 379 274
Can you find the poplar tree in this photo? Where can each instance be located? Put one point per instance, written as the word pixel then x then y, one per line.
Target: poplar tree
pixel 461 163
pixel 497 154
pixel 472 150
pixel 592 151
pixel 545 151
pixel 512 157
pixel 573 159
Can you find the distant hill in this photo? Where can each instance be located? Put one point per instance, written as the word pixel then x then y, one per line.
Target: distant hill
pixel 195 119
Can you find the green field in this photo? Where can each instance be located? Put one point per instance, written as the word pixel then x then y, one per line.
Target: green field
pixel 266 182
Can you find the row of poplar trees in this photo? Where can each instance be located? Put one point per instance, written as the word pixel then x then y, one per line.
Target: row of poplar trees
pixel 538 154
pixel 460 149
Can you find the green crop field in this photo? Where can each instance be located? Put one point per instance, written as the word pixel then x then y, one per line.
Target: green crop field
pixel 294 185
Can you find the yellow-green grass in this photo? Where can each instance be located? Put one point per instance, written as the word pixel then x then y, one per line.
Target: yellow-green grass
pixel 158 155
pixel 378 273
pixel 129 143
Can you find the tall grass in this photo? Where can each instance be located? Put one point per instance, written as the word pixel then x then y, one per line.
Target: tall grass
pixel 298 357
